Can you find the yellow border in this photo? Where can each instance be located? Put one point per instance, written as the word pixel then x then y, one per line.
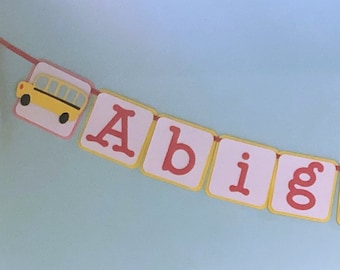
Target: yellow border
pixel 208 162
pixel 261 207
pixel 332 194
pixel 338 209
pixel 147 138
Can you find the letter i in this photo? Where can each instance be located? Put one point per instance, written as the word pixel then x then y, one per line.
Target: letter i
pixel 244 170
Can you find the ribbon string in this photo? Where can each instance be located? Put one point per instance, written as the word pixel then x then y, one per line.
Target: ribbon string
pixel 19 52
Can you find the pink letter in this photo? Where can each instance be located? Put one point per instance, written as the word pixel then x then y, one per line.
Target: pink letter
pixel 293 191
pixel 122 115
pixel 173 147
pixel 244 169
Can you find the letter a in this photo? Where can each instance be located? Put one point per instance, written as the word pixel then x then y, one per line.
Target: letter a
pixel 122 114
pixel 173 147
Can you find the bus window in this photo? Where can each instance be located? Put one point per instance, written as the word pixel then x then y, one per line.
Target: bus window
pixel 41 82
pixel 72 94
pixel 52 87
pixel 62 91
pixel 80 100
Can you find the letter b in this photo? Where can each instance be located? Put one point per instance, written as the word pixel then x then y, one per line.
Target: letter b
pixel 173 147
pixel 179 153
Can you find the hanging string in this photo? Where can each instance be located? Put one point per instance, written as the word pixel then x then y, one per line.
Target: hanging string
pixel 95 91
pixel 31 59
pixel 19 52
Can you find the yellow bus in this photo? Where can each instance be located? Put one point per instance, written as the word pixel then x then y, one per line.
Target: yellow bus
pixel 53 94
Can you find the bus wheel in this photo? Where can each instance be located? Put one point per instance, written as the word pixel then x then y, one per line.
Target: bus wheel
pixel 63 118
pixel 25 100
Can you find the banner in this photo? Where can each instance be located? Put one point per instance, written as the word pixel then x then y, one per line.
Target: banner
pixel 174 150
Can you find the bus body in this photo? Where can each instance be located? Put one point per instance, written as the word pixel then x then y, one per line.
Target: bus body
pixel 53 94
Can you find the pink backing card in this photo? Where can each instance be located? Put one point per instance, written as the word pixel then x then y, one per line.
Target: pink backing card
pixel 32 114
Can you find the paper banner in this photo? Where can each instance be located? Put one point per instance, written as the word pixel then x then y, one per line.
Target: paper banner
pixel 176 151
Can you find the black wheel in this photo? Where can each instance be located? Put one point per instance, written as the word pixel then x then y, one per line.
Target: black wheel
pixel 25 100
pixel 63 118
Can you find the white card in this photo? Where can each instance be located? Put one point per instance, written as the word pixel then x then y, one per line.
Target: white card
pixel 117 129
pixel 179 153
pixel 242 172
pixel 304 187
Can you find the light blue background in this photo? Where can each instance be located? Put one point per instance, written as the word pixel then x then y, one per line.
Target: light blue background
pixel 266 71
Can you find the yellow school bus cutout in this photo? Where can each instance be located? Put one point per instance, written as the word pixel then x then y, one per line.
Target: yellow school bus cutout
pixel 54 95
